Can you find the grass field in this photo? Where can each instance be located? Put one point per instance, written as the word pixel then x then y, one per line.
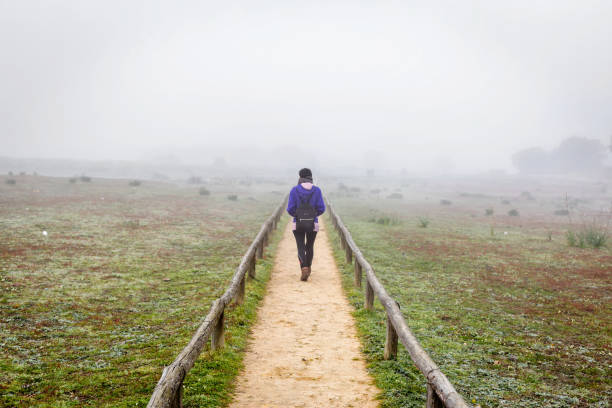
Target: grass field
pixel 91 313
pixel 513 315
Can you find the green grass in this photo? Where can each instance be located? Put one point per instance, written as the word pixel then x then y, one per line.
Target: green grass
pixel 90 314
pixel 513 320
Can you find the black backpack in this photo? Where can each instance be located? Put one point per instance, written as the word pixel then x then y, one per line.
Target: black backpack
pixel 305 215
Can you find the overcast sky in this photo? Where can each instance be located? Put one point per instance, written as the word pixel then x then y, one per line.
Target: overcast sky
pixel 417 82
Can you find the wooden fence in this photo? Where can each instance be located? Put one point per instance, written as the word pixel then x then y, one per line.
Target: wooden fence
pixel 168 392
pixel 440 392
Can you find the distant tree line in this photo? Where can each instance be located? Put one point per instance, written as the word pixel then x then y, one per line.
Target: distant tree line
pixel 574 155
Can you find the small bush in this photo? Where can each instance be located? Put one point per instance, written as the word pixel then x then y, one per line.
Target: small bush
pixel 194 180
pixel 395 196
pixel 527 195
pixel 561 212
pixel 232 197
pixel 11 182
pixel 204 191
pixel 505 202
pixel 445 202
pixel 131 224
pixel 10 173
pixel 590 236
pixel 72 180
pixel 596 238
pixel 574 239
pixel 423 222
pixel 489 211
pixel 383 221
pixel 355 189
pixel 135 183
pixel 22 173
pixel 513 212
pixel 85 179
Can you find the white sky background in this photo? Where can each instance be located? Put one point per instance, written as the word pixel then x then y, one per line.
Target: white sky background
pixel 418 82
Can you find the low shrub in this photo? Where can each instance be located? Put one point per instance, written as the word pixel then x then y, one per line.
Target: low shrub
pixel 423 222
pixel 505 202
pixel 527 195
pixel 11 181
pixel 131 224
pixel 588 236
pixel 72 180
pixel 561 212
pixel 489 211
pixel 85 179
pixel 232 197
pixel 445 202
pixel 384 220
pixel 395 196
pixel 135 183
pixel 513 212
pixel 204 191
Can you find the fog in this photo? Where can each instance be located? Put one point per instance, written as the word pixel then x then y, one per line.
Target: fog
pixel 420 86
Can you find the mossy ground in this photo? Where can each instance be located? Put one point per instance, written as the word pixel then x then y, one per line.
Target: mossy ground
pixel 91 313
pixel 513 320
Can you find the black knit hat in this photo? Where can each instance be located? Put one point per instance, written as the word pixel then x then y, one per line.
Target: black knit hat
pixel 306 173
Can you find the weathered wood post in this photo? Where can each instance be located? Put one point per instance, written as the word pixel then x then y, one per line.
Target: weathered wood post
pixel 369 296
pixel 217 339
pixel 433 401
pixel 349 254
pixel 177 402
pixel 391 341
pixel 265 236
pixel 342 241
pixel 252 267
pixel 241 290
pixel 260 250
pixel 357 274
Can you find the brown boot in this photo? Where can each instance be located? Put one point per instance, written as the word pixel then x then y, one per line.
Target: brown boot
pixel 305 273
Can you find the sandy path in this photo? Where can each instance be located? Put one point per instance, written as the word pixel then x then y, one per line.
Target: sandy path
pixel 304 351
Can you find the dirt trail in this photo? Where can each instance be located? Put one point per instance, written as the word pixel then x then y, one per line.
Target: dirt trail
pixel 304 351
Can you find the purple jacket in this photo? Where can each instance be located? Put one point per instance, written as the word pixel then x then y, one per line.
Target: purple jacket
pixel 300 193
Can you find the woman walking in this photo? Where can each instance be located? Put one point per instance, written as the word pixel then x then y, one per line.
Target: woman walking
pixel 305 205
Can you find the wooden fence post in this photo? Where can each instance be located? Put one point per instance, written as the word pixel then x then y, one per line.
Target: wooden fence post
pixel 342 241
pixel 178 398
pixel 265 237
pixel 252 267
pixel 349 254
pixel 241 290
pixel 433 401
pixel 217 340
pixel 260 251
pixel 391 341
pixel 357 274
pixel 369 296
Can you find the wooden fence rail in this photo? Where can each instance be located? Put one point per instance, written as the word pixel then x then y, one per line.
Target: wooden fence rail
pixel 168 392
pixel 440 392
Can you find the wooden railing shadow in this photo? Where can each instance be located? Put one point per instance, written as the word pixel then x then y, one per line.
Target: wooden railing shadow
pixel 168 392
pixel 440 392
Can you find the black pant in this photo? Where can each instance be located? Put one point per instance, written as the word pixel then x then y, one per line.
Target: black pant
pixel 305 243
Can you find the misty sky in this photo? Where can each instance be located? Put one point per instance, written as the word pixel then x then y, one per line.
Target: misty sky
pixel 416 82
